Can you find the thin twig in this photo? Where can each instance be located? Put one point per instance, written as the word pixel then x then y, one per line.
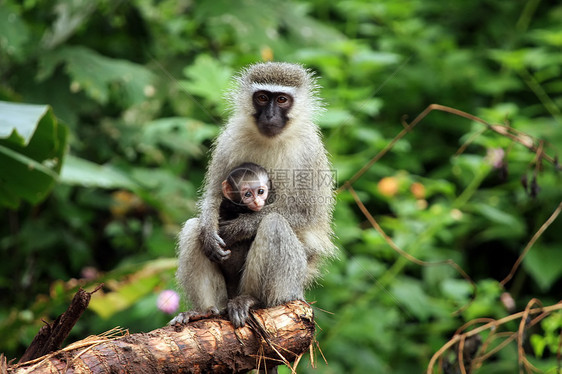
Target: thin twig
pixel 405 254
pixel 494 324
pixel 460 355
pixel 507 131
pixel 521 333
pixel 535 237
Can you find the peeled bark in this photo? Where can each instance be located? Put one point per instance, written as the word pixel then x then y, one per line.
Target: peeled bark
pixel 276 335
pixel 51 335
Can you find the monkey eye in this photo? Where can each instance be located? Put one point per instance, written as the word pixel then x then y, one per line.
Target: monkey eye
pixel 262 98
pixel 282 99
pixel 261 191
pixel 248 194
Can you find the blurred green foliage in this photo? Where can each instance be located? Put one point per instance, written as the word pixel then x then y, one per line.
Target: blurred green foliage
pixel 32 148
pixel 140 85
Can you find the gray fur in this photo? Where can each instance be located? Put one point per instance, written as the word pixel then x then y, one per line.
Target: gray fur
pixel 292 234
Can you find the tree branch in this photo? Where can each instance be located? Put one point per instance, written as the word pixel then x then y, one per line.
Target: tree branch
pixel 275 336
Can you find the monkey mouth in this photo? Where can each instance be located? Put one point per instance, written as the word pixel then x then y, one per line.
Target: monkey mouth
pixel 255 207
pixel 271 129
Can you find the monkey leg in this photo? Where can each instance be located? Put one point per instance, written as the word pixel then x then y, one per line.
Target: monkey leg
pixel 276 265
pixel 200 279
pixel 275 271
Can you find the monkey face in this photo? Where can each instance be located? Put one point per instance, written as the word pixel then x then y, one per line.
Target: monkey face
pixel 248 185
pixel 253 195
pixel 272 109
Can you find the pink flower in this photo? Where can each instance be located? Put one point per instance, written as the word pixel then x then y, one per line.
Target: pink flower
pixel 168 301
pixel 495 157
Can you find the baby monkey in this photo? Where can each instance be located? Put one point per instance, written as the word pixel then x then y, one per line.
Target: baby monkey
pixel 245 190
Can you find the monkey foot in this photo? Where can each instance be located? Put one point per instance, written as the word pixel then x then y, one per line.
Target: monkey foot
pixel 239 309
pixel 192 315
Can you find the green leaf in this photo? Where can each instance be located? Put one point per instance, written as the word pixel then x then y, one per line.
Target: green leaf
pixel 552 37
pixel 95 73
pixel 525 57
pixel 332 118
pixel 209 79
pixel 254 24
pixel 13 31
pixel 486 302
pixel 77 171
pixel 19 122
pixel 129 285
pixel 504 224
pixel 106 305
pixel 183 135
pixel 410 294
pixel 370 59
pixel 544 265
pixel 70 16
pixel 32 147
pixel 538 343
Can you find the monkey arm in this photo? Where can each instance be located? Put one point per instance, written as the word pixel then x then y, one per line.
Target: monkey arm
pixel 212 244
pixel 245 226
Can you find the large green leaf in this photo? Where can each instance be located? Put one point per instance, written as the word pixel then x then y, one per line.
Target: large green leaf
pixel 208 79
pixel 95 73
pixel 77 171
pixel 32 147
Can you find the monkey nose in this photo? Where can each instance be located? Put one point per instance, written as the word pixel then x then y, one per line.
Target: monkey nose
pixel 257 204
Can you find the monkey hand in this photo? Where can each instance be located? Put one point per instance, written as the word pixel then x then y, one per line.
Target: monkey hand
pixel 213 246
pixel 239 309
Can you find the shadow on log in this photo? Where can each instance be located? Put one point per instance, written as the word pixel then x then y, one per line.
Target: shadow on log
pixel 277 335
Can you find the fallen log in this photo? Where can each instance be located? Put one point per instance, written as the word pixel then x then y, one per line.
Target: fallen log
pixel 274 336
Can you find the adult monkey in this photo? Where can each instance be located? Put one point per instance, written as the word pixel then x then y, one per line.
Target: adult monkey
pixel 271 124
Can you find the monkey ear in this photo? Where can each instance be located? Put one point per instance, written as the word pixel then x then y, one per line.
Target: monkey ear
pixel 226 190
